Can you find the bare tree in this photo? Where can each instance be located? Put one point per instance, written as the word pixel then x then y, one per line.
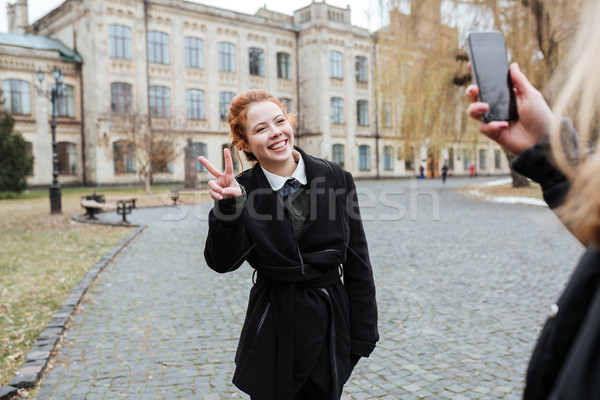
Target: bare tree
pixel 152 149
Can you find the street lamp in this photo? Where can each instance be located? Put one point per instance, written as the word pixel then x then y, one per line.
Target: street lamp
pixel 56 93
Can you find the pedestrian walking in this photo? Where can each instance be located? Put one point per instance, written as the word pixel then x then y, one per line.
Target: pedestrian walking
pixel 444 172
pixel 421 172
pixel 565 362
pixel 295 219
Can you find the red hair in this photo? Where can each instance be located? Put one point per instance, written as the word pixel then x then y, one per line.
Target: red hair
pixel 238 114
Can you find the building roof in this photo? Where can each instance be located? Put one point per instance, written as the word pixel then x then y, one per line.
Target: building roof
pixel 40 42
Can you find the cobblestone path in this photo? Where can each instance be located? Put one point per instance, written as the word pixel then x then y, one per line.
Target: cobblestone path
pixel 463 289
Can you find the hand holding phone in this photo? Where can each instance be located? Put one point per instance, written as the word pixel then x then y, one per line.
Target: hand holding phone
pixel 489 68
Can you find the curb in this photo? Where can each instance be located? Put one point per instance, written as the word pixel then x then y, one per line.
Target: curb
pixel 37 359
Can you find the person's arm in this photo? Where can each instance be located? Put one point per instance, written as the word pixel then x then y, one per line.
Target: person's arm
pixel 358 280
pixel 227 243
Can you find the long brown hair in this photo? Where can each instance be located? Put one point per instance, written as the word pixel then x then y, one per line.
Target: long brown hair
pixel 580 94
pixel 238 113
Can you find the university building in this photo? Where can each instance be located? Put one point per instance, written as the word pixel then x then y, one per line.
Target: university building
pixel 171 67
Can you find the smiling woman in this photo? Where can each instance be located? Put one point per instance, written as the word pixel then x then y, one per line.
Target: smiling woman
pixel 295 219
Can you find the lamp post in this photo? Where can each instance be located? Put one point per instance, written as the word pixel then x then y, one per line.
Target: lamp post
pixel 56 92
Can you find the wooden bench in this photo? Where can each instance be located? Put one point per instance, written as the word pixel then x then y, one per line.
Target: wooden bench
pixel 92 207
pixel 131 199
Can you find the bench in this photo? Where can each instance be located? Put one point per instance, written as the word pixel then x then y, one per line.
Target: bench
pixel 132 199
pixel 92 207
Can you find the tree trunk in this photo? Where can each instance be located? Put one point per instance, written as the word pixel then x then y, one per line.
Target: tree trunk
pixel 518 180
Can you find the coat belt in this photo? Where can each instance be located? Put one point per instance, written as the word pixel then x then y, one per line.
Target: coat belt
pixel 311 276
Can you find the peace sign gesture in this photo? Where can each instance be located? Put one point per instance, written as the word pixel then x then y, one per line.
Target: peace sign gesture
pixel 224 186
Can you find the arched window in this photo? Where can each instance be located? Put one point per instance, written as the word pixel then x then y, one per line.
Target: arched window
pixel 364 158
pixel 123 157
pixel 158 47
pixel 194 52
pixel 362 113
pixel 121 98
pixel 338 154
pixel 160 101
pixel 199 149
pixel 194 99
pixel 67 158
pixel 388 158
pixel 119 38
pixel 224 101
pixel 336 65
pixel 256 59
pixel 337 110
pixel 361 69
pixel 17 96
pixel 226 57
pixel 283 66
pixel 65 104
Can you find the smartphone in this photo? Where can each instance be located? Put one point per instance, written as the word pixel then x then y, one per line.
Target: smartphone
pixel 489 69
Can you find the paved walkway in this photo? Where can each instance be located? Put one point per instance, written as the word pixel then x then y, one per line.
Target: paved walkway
pixel 462 295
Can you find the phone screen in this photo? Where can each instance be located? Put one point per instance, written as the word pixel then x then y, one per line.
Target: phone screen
pixel 489 68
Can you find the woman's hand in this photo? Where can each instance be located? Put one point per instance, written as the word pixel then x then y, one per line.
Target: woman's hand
pixel 534 121
pixel 224 186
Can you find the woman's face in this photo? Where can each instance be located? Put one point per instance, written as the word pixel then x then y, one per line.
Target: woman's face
pixel 269 135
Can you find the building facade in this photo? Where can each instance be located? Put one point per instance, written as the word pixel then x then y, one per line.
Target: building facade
pixel 167 69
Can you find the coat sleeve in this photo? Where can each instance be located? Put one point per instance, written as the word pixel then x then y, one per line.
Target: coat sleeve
pixel 537 164
pixel 227 244
pixel 358 280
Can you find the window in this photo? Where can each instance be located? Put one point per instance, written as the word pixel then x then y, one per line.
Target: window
pixel 17 97
pixel 283 66
pixel 234 159
pixel 364 158
pixel 158 47
pixel 497 159
pixel 466 160
pixel 119 38
pixel 451 158
pixel 337 110
pixel 29 154
pixel 224 100
pixel 199 149
pixel 65 104
pixel 161 160
pixel 257 61
pixel 482 159
pixel 121 99
pixel 387 115
pixel 338 154
pixel 409 164
pixel 362 113
pixel 67 158
pixel 388 158
pixel 335 65
pixel 194 100
pixel 226 57
pixel 160 102
pixel 123 157
pixel 361 69
pixel 287 103
pixel 194 52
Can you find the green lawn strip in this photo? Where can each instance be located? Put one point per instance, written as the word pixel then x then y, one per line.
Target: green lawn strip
pixel 41 258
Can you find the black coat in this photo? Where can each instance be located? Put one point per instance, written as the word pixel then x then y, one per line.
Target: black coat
pixel 302 321
pixel 566 361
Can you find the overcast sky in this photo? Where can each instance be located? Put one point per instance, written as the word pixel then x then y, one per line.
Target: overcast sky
pixel 364 12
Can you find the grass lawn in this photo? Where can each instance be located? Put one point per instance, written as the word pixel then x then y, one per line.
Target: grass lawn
pixel 532 191
pixel 43 256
